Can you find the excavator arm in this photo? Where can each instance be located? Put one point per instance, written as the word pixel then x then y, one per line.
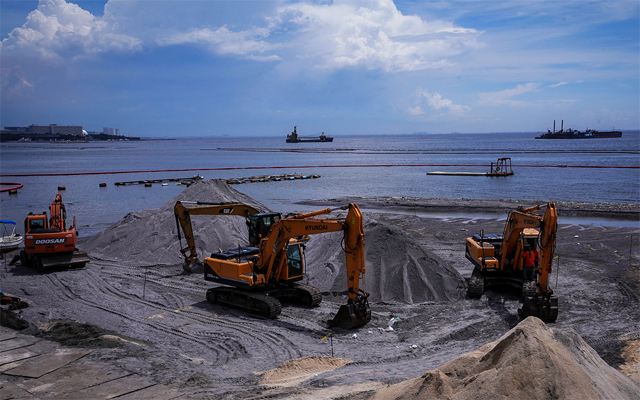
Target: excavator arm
pixel 521 219
pixel 183 212
pixel 543 304
pixel 356 312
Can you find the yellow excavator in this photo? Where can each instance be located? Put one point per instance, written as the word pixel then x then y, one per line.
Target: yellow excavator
pixel 498 259
pixel 260 276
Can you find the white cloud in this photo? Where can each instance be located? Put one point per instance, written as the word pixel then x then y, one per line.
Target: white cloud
pixel 373 35
pixel 558 84
pixel 57 29
pixel 436 102
pixel 225 42
pixel 416 111
pixel 504 97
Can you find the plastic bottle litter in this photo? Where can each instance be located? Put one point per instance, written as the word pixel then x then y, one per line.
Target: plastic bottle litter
pixel 393 321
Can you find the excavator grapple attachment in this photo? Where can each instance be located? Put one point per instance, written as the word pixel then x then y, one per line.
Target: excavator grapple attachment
pixel 543 307
pixel 352 315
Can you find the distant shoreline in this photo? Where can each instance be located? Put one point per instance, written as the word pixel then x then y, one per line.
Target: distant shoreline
pixel 624 211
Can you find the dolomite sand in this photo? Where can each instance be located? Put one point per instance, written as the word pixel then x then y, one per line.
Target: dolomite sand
pixel 136 308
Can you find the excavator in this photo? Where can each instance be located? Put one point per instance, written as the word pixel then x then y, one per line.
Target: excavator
pixel 48 242
pixel 260 276
pixel 498 259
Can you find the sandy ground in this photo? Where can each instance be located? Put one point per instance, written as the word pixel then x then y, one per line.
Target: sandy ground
pixel 167 331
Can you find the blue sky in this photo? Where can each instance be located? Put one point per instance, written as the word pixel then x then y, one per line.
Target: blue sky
pixel 257 68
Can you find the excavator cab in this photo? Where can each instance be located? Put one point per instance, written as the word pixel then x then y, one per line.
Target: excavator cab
pixel 260 225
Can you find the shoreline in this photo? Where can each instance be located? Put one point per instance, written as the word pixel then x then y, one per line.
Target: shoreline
pixel 624 211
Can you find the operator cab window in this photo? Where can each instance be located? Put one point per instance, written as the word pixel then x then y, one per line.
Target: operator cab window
pixel 294 261
pixel 36 224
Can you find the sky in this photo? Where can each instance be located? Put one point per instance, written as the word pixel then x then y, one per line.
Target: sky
pixel 259 68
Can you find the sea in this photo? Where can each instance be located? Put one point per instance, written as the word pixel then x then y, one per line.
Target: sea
pixel 578 170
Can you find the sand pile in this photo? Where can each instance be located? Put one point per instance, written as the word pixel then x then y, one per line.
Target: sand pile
pixel 292 372
pixel 398 269
pixel 150 237
pixel 530 361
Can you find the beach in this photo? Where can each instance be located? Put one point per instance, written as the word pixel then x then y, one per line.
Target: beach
pixel 144 314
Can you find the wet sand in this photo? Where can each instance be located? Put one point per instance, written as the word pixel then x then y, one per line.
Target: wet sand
pixel 171 334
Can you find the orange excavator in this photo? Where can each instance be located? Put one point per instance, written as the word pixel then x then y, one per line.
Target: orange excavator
pixel 260 276
pixel 498 259
pixel 49 242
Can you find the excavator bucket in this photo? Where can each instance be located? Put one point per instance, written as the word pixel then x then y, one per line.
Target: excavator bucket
pixel 194 265
pixel 352 315
pixel 545 308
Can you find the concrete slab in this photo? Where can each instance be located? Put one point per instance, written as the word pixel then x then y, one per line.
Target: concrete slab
pixel 16 355
pixel 155 392
pixel 6 334
pixel 16 343
pixel 111 389
pixel 71 379
pixel 48 362
pixel 12 391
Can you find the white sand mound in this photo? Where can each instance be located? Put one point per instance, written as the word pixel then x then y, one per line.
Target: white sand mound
pixel 292 372
pixel 530 361
pixel 398 269
pixel 150 237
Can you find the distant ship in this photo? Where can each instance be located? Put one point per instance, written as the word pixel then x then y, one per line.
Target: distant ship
pixel 572 134
pixel 294 138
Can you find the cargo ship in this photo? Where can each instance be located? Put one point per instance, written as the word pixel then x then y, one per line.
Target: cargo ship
pixel 573 134
pixel 294 138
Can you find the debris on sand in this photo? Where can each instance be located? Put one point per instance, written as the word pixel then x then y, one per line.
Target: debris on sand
pixel 531 361
pixel 292 372
pixel 150 237
pixel 398 268
pixel 75 334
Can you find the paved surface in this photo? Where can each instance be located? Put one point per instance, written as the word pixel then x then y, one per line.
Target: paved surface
pixel 32 368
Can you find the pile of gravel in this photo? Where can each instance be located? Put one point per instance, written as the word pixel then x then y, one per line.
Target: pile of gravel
pixel 397 267
pixel 150 237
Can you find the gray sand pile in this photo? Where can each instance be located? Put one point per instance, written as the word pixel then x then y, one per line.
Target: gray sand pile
pixel 150 237
pixel 530 361
pixel 398 269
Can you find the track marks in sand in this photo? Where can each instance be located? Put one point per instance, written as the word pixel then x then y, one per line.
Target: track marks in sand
pixel 224 338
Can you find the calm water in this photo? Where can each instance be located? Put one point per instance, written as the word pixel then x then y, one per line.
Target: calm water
pixel 97 207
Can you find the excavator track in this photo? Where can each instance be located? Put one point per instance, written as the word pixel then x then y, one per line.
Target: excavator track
pixel 254 303
pixel 476 284
pixel 298 293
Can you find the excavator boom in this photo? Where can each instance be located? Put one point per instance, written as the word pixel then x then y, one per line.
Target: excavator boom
pixel 356 312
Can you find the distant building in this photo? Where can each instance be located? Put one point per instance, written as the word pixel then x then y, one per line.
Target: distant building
pixel 55 129
pixel 40 132
pixel 111 131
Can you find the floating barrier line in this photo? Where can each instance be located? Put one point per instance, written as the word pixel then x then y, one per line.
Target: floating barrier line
pixel 18 186
pixel 311 166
